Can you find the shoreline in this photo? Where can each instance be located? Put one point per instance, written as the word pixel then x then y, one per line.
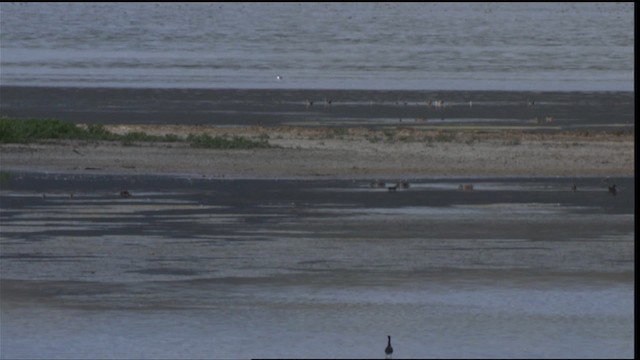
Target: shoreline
pixel 359 134
pixel 340 153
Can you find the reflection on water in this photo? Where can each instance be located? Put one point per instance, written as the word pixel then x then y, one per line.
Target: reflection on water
pixel 198 268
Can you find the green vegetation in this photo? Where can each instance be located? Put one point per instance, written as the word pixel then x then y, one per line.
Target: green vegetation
pixel 22 131
pixel 30 130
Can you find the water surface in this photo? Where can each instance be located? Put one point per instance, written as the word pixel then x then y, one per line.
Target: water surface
pixel 203 268
pixel 391 46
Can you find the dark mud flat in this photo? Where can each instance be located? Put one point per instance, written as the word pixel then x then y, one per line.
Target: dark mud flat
pixel 228 107
pixel 194 228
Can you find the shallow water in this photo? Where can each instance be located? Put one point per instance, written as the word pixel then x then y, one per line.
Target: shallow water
pixel 203 268
pixel 419 46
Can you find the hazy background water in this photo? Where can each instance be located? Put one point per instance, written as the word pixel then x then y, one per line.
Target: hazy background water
pixel 458 46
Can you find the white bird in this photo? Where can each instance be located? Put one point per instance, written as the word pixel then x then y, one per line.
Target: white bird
pixel 279 77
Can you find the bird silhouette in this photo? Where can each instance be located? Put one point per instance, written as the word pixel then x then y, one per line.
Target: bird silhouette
pixel 389 349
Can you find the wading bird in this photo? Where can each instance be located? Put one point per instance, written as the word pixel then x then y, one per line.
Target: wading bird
pixel 388 350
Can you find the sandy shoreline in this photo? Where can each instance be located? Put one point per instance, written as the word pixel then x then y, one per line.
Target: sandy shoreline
pixel 303 152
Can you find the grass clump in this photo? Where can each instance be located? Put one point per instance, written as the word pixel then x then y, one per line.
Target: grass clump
pixel 23 131
pixel 29 130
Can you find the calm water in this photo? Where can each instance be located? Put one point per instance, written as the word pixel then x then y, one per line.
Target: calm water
pixel 202 268
pixel 419 46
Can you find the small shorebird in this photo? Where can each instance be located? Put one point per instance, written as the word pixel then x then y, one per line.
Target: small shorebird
pixel 613 190
pixel 278 77
pixel 125 193
pixel 389 349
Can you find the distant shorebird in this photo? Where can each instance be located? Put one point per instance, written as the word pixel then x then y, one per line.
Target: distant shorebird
pixel 125 194
pixel 613 190
pixel 278 77
pixel 388 350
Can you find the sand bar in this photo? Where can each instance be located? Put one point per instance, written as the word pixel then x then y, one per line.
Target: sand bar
pixel 303 152
pixel 361 134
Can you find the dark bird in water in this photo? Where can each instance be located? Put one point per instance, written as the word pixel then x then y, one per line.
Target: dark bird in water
pixel 612 189
pixel 388 350
pixel 125 194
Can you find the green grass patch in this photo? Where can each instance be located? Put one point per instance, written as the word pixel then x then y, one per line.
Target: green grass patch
pixel 23 131
pixel 30 130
